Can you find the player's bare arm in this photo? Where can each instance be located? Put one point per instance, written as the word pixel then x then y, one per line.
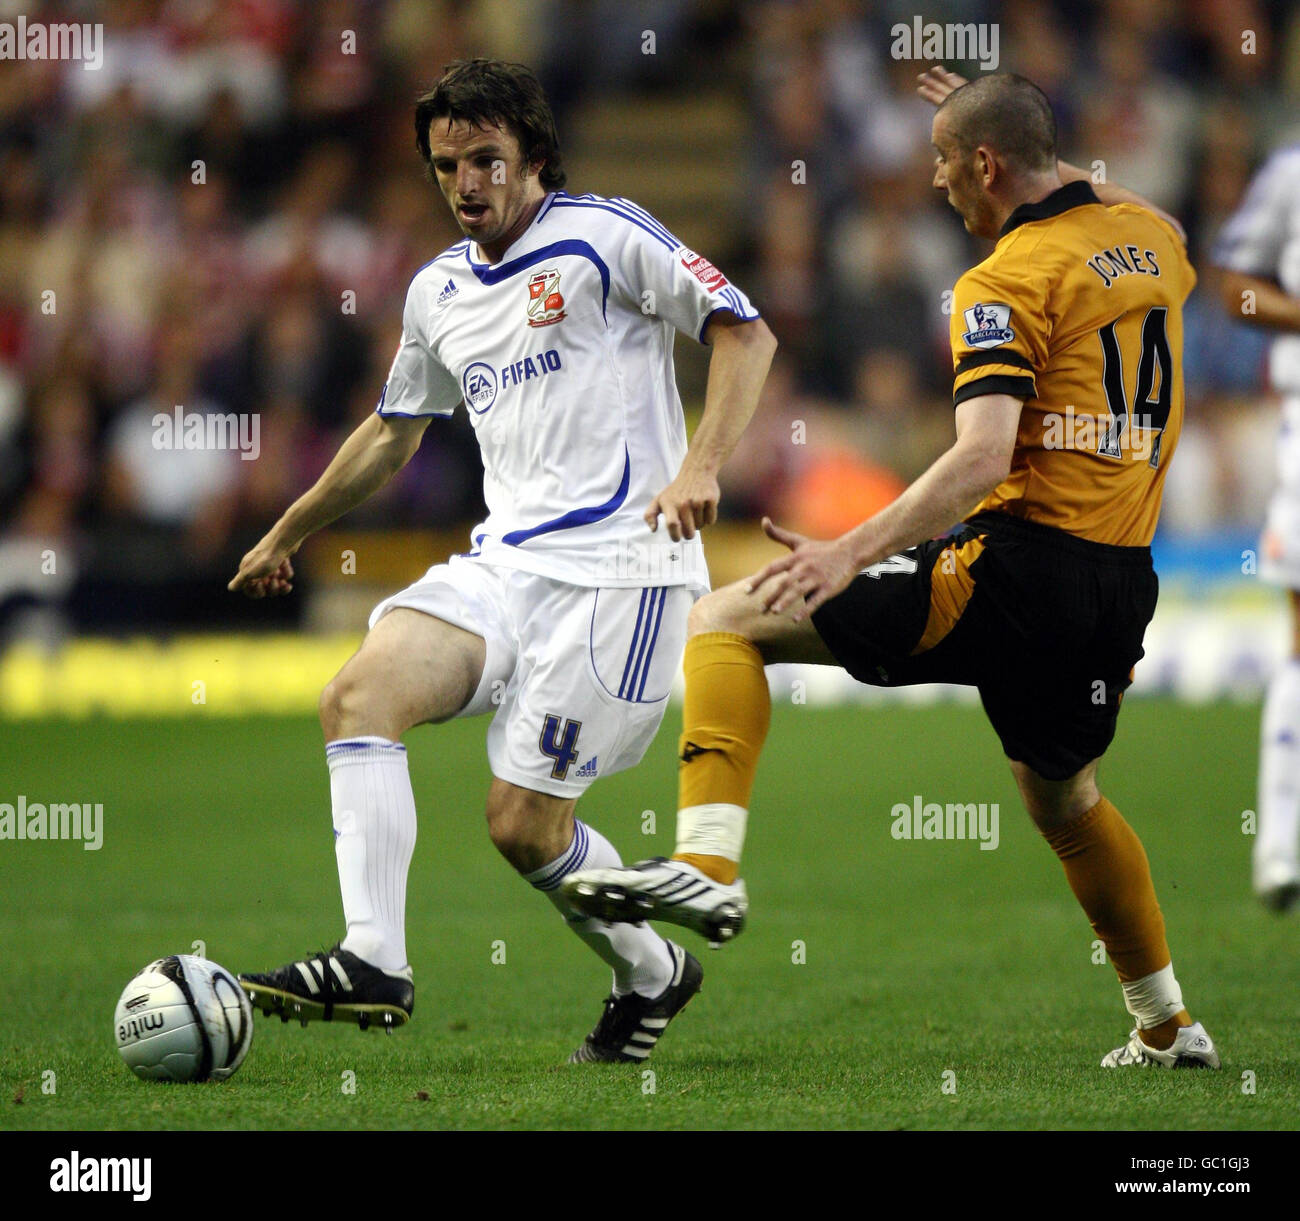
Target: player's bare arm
pixel 367 460
pixel 816 570
pixel 935 84
pixel 1272 307
pixel 742 353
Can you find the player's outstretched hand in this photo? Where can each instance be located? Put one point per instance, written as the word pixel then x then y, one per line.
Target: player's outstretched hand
pixel 263 572
pixel 687 504
pixel 811 575
pixel 937 83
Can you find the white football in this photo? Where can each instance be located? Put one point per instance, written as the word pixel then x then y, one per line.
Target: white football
pixel 183 1019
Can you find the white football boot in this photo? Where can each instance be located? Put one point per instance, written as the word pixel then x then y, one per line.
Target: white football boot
pixel 1277 884
pixel 1192 1048
pixel 660 889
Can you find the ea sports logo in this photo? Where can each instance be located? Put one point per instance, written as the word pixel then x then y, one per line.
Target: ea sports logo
pixel 480 387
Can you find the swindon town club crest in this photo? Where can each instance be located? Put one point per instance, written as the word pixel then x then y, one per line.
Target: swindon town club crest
pixel 545 305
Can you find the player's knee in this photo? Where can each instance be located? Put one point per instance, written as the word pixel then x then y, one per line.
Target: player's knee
pixel 330 707
pixel 716 612
pixel 1055 803
pixel 346 710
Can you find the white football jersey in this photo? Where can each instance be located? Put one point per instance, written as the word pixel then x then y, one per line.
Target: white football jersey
pixel 562 353
pixel 1262 238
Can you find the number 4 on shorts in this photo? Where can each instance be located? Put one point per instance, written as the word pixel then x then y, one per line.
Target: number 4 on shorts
pixel 902 564
pixel 559 745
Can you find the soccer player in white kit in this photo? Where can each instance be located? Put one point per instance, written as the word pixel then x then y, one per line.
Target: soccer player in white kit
pixel 553 322
pixel 1258 252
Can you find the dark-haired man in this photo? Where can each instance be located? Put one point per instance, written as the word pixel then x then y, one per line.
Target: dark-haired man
pixel 1067 346
pixel 553 322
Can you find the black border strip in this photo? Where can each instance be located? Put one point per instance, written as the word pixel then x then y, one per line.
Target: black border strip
pixel 995 383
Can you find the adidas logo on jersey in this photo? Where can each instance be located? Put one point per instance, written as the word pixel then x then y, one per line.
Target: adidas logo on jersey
pixel 588 770
pixel 449 290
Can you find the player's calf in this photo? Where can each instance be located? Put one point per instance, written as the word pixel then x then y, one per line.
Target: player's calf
pixel 528 828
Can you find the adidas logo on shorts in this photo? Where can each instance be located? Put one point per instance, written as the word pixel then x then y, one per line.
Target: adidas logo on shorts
pixel 588 770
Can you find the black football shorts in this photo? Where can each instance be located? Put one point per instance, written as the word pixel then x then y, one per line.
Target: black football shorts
pixel 1047 626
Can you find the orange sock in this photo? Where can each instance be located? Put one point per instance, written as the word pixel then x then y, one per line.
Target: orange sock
pixel 1107 869
pixel 1162 1037
pixel 725 717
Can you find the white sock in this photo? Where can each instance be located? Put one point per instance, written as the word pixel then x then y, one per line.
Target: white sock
pixel 1154 998
pixel 374 836
pixel 639 956
pixel 1278 833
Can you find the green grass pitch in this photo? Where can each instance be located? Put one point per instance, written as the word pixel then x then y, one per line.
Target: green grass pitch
pixel 923 963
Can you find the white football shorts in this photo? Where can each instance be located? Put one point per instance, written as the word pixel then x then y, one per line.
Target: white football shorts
pixel 1279 548
pixel 578 678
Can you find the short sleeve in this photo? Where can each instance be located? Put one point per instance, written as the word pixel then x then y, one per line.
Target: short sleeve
pixel 418 383
pixel 660 276
pixel 1251 242
pixel 998 333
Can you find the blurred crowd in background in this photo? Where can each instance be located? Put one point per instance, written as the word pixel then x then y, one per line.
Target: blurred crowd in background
pixel 225 216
